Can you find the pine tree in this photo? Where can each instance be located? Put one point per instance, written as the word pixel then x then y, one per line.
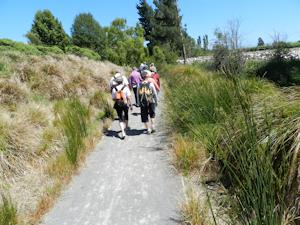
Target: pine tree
pixel 146 19
pixel 87 33
pixel 167 26
pixel 47 30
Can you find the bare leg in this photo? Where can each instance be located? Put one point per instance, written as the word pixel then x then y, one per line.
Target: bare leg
pixel 148 127
pixel 122 126
pixel 152 124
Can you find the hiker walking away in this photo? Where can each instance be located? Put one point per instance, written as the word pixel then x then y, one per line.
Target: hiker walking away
pixel 121 96
pixel 147 98
pixel 113 81
pixel 134 80
pixel 155 75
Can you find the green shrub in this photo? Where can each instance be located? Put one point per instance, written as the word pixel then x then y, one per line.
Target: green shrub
pixel 74 120
pixel 84 52
pixel 254 139
pixel 4 68
pixel 8 212
pixel 49 50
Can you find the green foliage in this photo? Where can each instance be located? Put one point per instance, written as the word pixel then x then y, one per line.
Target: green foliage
pixel 146 19
pixel 162 27
pixel 9 45
pixel 125 45
pixel 227 58
pixel 281 68
pixel 47 30
pixel 85 52
pixel 252 137
pixel 99 100
pixel 87 33
pixel 49 50
pixel 8 212
pixel 74 120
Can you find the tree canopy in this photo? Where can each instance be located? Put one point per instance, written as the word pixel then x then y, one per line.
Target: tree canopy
pixel 47 30
pixel 87 33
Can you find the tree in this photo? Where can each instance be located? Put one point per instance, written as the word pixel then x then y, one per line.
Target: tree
pixel 87 33
pixel 146 18
pixel 167 26
pixel 205 42
pixel 125 45
pixel 199 42
pixel 260 42
pixel 47 30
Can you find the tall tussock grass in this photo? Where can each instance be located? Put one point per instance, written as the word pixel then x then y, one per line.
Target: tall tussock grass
pixel 74 118
pixel 8 212
pixel 41 121
pixel 252 129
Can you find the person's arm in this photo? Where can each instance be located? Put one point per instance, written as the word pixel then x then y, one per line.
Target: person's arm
pixel 128 96
pixel 154 93
pixel 113 94
pixel 130 82
pixel 155 84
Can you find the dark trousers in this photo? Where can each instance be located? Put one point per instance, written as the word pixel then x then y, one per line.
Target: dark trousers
pixel 146 111
pixel 122 111
pixel 135 95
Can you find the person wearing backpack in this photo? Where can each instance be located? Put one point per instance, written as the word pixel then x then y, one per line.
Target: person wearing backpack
pixel 121 96
pixel 155 75
pixel 113 81
pixel 147 98
pixel 134 80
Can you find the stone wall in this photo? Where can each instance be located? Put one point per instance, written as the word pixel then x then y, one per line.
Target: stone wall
pixel 255 55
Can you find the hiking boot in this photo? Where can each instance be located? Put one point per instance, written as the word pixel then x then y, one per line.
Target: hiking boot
pixel 149 131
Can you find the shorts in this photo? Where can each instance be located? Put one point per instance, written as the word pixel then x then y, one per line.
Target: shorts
pixel 146 111
pixel 122 112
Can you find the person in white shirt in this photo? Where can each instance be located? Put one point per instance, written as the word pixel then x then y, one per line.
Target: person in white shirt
pixel 121 96
pixel 113 82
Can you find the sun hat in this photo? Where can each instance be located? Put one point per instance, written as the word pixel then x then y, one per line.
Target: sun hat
pixel 118 78
pixel 146 73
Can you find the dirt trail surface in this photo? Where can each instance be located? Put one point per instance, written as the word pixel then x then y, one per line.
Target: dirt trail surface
pixel 125 182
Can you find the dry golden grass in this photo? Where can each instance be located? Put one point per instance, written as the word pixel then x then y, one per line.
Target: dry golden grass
pixel 187 155
pixel 30 141
pixel 195 211
pixel 11 93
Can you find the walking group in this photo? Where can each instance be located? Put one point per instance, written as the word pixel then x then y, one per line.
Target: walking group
pixel 145 84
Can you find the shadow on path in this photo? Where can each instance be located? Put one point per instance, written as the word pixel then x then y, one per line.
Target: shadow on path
pixel 131 132
pixel 135 114
pixel 112 133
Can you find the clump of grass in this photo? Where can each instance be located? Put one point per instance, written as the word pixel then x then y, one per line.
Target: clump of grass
pixel 74 119
pixel 100 101
pixel 254 139
pixel 11 93
pixel 193 211
pixel 187 154
pixel 8 211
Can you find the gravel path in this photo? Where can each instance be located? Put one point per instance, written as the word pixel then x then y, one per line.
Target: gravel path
pixel 125 182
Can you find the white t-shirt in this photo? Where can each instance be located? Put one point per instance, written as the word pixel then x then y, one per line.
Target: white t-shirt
pixel 112 81
pixel 126 91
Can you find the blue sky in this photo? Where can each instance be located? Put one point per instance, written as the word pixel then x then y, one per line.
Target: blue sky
pixel 257 17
